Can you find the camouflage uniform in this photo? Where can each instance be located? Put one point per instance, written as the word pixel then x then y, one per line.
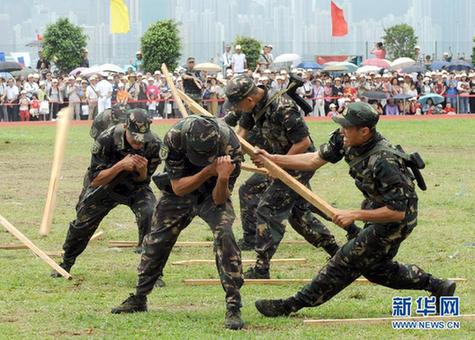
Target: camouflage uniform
pixel 384 180
pixel 175 213
pixel 104 120
pixel 282 126
pixel 109 148
pixel 252 189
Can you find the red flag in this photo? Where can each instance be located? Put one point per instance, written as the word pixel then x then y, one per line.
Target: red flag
pixel 339 25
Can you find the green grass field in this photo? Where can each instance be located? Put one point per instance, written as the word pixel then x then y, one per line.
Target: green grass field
pixel 33 305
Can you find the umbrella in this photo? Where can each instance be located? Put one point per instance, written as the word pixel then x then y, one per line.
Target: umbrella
pixel 436 99
pixel 459 65
pixel 402 96
pixel 368 69
pixel 8 66
pixel 91 71
pixel 110 68
pixel 210 67
pixel 341 67
pixel 402 63
pixel 309 65
pixel 416 68
pixel 287 58
pixel 438 64
pixel 23 73
pixel 78 71
pixel 382 63
pixel 5 75
pixel 376 95
pixel 126 67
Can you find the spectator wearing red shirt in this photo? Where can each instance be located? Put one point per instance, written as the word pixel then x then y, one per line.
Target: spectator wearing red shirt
pixel 379 51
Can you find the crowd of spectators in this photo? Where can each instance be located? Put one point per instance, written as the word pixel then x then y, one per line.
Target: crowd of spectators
pixel 41 95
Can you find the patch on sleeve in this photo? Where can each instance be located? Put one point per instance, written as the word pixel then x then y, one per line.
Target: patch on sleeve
pixel 163 152
pixel 96 147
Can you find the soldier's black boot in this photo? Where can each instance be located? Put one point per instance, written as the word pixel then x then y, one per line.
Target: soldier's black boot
pixel 273 308
pixel 160 283
pixel 233 319
pixel 257 273
pixel 133 304
pixel 245 245
pixel 442 288
pixel 66 267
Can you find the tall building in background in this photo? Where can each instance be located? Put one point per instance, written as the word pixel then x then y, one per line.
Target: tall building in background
pixel 297 26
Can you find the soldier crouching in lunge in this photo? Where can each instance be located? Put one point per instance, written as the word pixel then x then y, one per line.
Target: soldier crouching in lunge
pixel 384 174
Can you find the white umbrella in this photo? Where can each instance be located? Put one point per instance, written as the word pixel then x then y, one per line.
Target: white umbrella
pixel 110 68
pixel 402 63
pixel 368 69
pixel 210 67
pixel 90 71
pixel 287 58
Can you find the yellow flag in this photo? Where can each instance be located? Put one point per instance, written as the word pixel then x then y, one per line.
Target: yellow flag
pixel 119 17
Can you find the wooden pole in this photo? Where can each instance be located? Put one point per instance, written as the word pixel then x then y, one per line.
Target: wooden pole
pixel 41 254
pixel 96 236
pixel 64 118
pixel 20 246
pixel 255 169
pixel 274 169
pixel 274 282
pixel 190 244
pixel 173 89
pixel 273 261
pixel 372 321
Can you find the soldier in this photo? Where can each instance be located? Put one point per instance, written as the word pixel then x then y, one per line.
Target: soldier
pixel 124 157
pixel 113 116
pixel 389 211
pixel 203 162
pixel 279 122
pixel 251 190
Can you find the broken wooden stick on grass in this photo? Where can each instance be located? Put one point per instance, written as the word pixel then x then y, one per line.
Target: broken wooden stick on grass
pixel 275 282
pixel 41 254
pixel 189 244
pixel 273 261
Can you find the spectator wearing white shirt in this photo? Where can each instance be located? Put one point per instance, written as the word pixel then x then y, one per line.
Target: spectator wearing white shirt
pixel 11 99
pixel 92 96
pixel 227 58
pixel 239 63
pixel 30 86
pixel 319 93
pixel 104 91
pixel 3 109
pixel 74 99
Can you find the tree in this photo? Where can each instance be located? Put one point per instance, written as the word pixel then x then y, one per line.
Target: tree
pixel 161 44
pixel 251 48
pixel 400 41
pixel 64 44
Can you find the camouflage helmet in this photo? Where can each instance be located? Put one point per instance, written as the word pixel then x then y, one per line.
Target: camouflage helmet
pixel 202 136
pixel 358 114
pixel 239 88
pixel 119 113
pixel 138 124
